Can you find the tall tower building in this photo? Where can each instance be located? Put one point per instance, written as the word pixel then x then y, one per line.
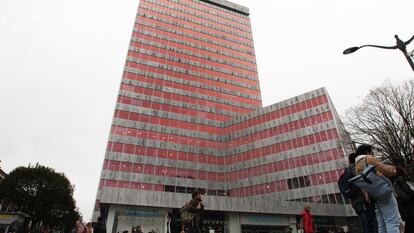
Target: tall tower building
pixel 189 117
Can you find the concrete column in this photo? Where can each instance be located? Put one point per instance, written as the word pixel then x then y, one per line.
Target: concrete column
pixel 233 223
pixel 111 219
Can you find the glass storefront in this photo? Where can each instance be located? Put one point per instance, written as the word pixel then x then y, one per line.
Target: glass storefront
pixel 151 219
pixel 154 220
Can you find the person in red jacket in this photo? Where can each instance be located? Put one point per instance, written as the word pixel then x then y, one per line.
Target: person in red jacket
pixel 307 223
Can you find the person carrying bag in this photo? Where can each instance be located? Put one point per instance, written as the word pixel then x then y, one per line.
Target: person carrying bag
pixel 372 179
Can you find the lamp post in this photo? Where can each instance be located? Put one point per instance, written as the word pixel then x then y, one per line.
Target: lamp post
pixel 401 45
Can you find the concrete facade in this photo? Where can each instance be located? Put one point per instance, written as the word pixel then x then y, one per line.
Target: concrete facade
pixel 189 117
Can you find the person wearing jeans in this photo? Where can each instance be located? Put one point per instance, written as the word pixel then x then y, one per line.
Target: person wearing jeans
pixel 364 209
pixel 388 216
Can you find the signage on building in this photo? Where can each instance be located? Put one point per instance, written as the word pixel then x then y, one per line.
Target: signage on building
pixel 320 220
pixel 264 219
pixel 143 212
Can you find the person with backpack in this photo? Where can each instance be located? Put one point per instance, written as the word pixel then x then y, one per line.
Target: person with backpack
pixel 405 200
pixel 374 180
pixel 363 208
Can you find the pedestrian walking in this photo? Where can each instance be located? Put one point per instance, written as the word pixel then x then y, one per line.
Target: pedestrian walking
pixel 363 208
pixel 405 200
pixel 100 226
pixel 387 214
pixel 306 221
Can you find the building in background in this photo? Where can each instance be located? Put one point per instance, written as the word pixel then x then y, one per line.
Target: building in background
pixel 189 116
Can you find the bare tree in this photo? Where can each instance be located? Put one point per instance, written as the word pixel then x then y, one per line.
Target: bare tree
pixel 385 120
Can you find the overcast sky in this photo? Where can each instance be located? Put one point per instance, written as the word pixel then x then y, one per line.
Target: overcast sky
pixel 61 63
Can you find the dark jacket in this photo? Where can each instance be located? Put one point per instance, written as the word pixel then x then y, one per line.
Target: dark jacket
pixel 359 198
pixel 175 226
pixel 405 198
pixel 100 227
pixel 193 204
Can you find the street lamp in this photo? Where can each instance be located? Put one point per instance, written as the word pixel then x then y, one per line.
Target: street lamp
pixel 401 45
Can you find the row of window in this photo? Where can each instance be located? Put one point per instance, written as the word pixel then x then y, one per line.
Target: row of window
pixel 278 127
pixel 172 112
pixel 183 95
pixel 317 95
pixel 183 121
pixel 266 146
pixel 193 30
pixel 179 60
pixel 158 187
pixel 282 124
pixel 212 146
pixel 215 20
pixel 152 98
pixel 290 144
pixel 242 173
pixel 333 198
pixel 178 120
pixel 194 106
pixel 237 167
pixel 164 145
pixel 277 113
pixel 284 165
pixel 132 127
pixel 164 112
pixel 141 71
pixel 199 135
pixel 177 14
pixel 162 64
pixel 214 50
pixel 116 148
pixel 174 55
pixel 245 93
pixel 191 54
pixel 259 189
pixel 192 36
pixel 282 185
pixel 175 127
pixel 196 139
pixel 159 119
pixel 240 168
pixel 216 12
pixel 195 84
pixel 235 8
pixel 174 109
pixel 213 96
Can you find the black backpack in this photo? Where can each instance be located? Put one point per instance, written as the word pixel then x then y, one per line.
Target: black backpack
pixel 347 189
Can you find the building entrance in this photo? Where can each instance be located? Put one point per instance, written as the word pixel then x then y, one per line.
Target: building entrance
pixel 264 229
